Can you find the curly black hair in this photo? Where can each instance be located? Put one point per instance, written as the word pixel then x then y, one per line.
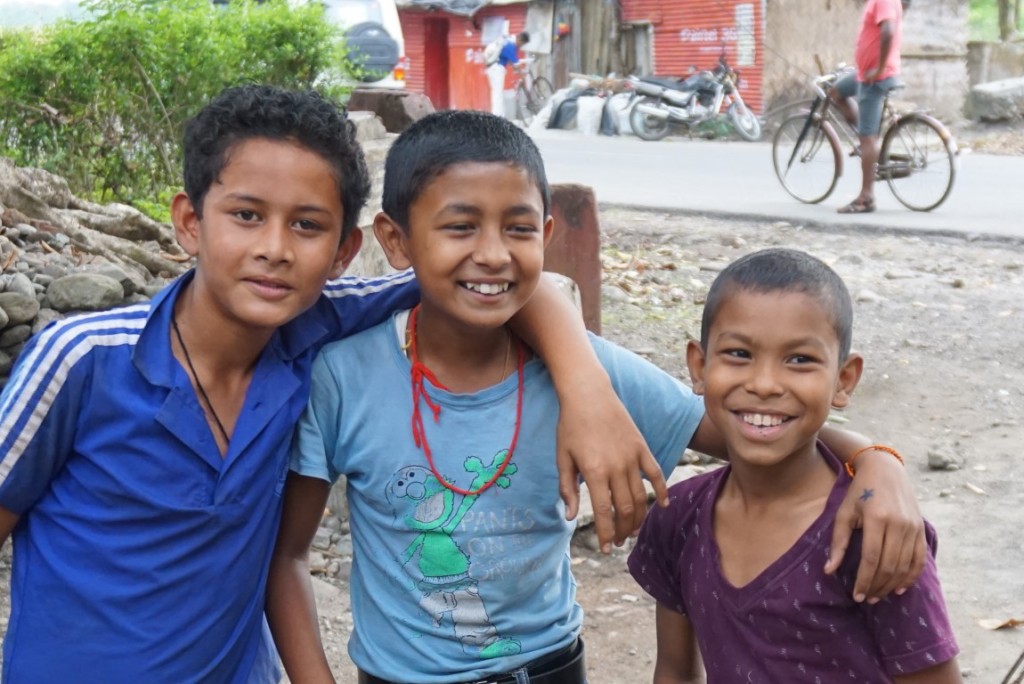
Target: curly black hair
pixel 259 111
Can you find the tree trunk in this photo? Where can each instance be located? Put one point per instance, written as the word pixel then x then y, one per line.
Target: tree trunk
pixel 1007 25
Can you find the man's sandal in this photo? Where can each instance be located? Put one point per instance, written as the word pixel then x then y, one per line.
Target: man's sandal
pixel 858 206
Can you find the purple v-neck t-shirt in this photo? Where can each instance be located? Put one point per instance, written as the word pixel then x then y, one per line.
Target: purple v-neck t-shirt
pixel 792 623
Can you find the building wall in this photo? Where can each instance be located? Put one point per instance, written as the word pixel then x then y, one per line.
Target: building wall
pixel 933 53
pixel 467 83
pixel 787 34
pixel 693 33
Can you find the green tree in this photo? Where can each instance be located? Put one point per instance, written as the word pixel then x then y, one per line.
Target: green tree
pixel 103 101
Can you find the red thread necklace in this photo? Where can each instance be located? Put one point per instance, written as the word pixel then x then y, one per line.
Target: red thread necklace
pixel 420 373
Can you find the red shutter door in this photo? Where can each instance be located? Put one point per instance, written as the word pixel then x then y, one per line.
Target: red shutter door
pixel 693 33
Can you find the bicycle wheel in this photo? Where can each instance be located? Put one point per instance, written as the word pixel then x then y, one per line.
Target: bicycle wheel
pixel 771 119
pixel 918 161
pixel 523 110
pixel 541 92
pixel 807 165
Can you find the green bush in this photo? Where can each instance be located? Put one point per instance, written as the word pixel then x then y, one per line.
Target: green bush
pixel 103 101
pixel 984 20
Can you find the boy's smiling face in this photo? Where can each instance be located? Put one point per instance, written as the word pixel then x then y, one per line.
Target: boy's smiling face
pixel 476 239
pixel 270 234
pixel 771 373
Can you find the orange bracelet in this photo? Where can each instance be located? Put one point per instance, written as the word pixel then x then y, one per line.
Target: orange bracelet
pixel 878 447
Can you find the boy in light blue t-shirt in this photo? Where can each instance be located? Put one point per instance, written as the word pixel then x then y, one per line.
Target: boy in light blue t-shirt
pixel 444 423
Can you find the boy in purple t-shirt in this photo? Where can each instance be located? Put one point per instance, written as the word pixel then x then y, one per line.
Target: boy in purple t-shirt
pixel 736 559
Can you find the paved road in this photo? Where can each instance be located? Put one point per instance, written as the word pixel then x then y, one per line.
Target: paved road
pixel 736 178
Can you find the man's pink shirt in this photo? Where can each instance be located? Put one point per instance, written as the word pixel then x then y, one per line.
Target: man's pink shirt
pixel 870 37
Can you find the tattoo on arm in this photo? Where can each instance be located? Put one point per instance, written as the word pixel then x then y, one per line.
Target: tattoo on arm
pixel 868 493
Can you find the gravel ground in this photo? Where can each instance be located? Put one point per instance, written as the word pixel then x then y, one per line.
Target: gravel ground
pixel 1005 138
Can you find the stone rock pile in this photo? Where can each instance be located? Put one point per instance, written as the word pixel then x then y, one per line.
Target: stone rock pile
pixel 61 255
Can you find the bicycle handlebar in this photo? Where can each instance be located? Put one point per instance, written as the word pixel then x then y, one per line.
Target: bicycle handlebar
pixel 822 84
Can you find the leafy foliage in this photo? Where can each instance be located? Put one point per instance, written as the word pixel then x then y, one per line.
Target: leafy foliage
pixel 984 20
pixel 717 127
pixel 103 101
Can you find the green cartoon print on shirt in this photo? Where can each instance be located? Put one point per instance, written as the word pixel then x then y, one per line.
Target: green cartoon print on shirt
pixel 439 567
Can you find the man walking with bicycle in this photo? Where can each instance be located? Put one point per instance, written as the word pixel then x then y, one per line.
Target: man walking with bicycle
pixel 878 65
pixel 497 68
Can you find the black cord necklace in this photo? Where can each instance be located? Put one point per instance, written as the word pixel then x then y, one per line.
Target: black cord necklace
pixel 199 385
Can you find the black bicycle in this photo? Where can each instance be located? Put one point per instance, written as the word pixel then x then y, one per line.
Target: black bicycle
pixel 532 93
pixel 918 157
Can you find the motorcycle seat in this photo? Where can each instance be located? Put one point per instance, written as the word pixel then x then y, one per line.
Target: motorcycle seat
pixel 670 82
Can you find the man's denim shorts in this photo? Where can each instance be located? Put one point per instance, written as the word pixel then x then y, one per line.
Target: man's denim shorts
pixel 869 100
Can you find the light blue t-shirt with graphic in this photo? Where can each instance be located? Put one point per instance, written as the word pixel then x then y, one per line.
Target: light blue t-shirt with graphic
pixel 449 587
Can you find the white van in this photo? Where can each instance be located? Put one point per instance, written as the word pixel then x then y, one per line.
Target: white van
pixel 373 34
pixel 374 37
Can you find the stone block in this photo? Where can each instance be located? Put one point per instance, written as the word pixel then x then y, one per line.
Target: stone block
pixel 18 307
pixel 15 335
pixel 368 126
pixel 397 109
pixel 998 100
pixel 84 292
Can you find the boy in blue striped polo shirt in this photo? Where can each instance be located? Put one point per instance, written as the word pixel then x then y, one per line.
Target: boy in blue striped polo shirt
pixel 143 450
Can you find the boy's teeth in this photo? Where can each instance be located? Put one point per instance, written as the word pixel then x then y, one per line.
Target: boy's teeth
pixel 487 288
pixel 762 420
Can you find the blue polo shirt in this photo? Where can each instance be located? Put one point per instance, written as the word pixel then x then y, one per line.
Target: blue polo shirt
pixel 141 554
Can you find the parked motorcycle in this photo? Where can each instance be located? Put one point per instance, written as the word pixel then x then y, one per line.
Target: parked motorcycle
pixel 659 102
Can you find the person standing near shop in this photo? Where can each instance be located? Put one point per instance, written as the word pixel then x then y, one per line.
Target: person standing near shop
pixel 498 56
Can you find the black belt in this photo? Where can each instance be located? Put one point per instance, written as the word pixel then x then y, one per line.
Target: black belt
pixel 562 667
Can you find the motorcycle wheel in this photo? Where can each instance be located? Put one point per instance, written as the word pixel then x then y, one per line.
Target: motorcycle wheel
pixel 645 126
pixel 744 121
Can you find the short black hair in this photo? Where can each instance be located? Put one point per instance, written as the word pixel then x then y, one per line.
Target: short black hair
pixel 783 270
pixel 306 118
pixel 442 139
pixel 523 37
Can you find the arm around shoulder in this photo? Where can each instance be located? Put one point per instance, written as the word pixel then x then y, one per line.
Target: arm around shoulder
pixel 361 303
pixel 881 500
pixel 596 435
